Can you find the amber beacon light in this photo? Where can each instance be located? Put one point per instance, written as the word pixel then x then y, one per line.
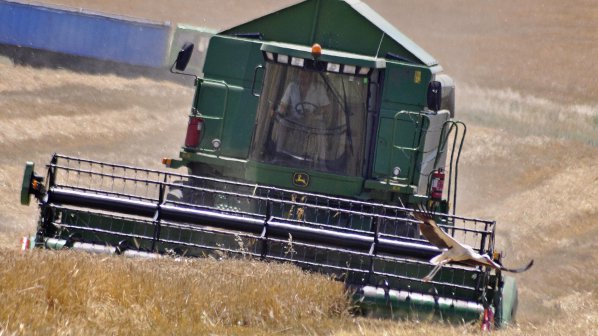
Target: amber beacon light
pixel 316 50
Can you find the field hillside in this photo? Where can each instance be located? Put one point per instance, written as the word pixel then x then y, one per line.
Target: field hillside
pixel 526 87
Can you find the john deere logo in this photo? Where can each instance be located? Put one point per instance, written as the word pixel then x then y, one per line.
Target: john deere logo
pixel 417 77
pixel 301 179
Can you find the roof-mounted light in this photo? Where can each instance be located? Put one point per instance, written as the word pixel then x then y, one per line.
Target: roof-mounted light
pixel 302 62
pixel 282 59
pixel 297 61
pixel 364 71
pixel 349 69
pixel 333 67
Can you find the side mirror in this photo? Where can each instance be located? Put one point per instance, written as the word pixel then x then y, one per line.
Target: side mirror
pixel 182 59
pixel 434 95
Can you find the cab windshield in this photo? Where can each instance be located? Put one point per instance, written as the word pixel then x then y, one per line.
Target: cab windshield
pixel 312 120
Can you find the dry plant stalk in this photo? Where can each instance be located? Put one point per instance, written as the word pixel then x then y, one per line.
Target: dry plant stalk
pixel 75 293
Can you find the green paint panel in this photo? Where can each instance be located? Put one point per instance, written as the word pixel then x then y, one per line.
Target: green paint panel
pixel 238 128
pixel 319 182
pixel 399 144
pixel 405 84
pixel 411 273
pixel 400 305
pixel 225 98
pixel 227 113
pixel 232 60
pixel 26 184
pixel 213 100
pixel 341 28
pixel 225 166
pixel 352 27
pixel 383 147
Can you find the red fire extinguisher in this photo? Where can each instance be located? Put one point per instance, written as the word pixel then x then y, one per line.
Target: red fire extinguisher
pixel 437 184
pixel 193 131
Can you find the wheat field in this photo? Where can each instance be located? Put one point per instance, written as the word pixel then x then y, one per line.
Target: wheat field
pixel 529 162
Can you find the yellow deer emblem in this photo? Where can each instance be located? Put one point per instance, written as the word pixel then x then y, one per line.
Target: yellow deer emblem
pixel 301 179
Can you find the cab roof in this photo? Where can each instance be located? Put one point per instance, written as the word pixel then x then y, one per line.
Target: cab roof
pixel 344 25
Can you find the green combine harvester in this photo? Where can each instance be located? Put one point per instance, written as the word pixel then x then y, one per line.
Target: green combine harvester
pixel 314 133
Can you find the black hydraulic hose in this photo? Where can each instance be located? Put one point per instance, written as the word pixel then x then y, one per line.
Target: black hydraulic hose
pixel 453 126
pixel 457 164
pixel 456 132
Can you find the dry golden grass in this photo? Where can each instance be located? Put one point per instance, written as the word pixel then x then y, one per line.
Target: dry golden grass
pixel 44 292
pixel 528 116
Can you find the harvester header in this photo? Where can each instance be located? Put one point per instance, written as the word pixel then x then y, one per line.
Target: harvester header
pixel 314 134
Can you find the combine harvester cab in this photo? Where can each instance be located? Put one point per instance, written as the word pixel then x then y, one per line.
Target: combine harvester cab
pixel 314 133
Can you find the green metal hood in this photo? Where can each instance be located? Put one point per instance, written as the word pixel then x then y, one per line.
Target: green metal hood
pixel 346 25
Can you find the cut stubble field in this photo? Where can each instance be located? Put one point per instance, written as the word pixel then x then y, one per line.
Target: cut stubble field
pixel 529 161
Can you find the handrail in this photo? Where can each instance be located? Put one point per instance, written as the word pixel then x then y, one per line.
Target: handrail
pixel 453 127
pixel 254 78
pixel 401 148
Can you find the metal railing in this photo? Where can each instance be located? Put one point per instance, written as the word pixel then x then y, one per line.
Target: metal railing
pixel 363 243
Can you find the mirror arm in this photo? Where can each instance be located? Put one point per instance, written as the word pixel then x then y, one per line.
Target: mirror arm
pixel 180 72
